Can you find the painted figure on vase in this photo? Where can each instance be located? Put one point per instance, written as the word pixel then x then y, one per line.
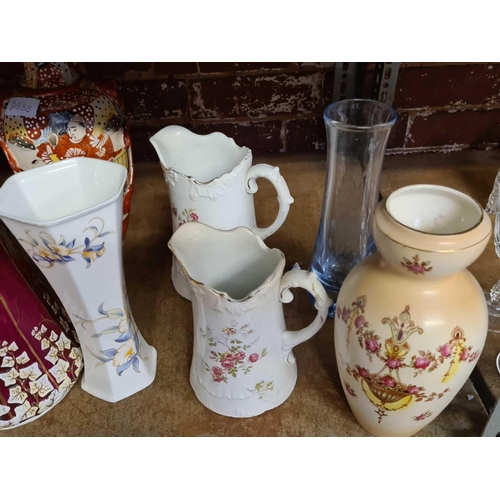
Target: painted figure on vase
pixel 76 140
pixel 75 117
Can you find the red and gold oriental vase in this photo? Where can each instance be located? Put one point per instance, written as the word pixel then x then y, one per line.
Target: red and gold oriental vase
pixel 75 117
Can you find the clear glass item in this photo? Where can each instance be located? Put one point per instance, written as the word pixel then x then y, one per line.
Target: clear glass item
pixel 357 134
pixel 493 295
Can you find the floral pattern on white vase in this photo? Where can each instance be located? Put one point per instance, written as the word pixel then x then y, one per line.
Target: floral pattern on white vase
pixel 84 197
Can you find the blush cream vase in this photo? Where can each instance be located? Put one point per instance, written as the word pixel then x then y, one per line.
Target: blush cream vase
pixel 68 217
pixel 211 179
pixel 243 363
pixel 411 320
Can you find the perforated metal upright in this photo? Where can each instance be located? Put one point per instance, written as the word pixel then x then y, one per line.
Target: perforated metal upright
pixel 346 81
pixel 386 79
pixel 350 80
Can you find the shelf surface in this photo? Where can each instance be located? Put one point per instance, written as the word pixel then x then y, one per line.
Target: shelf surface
pixel 317 407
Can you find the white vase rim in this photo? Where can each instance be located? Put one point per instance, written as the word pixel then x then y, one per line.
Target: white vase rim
pixel 86 166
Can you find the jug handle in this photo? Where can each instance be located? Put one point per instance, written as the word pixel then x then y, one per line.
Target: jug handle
pixel 284 198
pixel 309 281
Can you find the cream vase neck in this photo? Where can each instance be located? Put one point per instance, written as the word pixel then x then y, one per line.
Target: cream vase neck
pixel 434 223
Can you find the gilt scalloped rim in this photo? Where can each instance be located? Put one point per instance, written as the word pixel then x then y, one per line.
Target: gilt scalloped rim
pixel 215 187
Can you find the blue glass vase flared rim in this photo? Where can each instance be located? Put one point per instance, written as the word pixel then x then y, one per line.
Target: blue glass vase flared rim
pixel 392 115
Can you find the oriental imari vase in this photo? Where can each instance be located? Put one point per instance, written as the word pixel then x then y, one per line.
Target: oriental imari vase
pixel 211 179
pixel 243 364
pixel 39 361
pixel 75 118
pixel 73 234
pixel 411 321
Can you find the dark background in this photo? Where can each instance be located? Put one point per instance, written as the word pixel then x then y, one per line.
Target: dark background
pixel 277 107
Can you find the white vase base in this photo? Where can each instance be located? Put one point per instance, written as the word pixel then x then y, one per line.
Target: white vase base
pixel 146 378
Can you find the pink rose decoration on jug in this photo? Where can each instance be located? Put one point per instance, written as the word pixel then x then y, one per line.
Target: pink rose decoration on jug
pixel 232 360
pixel 253 357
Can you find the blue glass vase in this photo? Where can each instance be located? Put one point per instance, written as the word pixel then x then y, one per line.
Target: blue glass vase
pixel 357 135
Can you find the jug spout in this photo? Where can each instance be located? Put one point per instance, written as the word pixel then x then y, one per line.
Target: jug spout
pixel 163 141
pixel 233 264
pixel 200 157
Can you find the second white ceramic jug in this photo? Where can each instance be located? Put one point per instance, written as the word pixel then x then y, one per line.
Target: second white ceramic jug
pixel 243 363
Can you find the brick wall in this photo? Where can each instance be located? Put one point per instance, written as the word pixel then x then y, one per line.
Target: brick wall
pixel 269 107
pixel 277 107
pixel 447 107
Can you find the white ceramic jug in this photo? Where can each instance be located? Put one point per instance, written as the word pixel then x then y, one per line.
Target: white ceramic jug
pixel 211 180
pixel 242 360
pixel 68 217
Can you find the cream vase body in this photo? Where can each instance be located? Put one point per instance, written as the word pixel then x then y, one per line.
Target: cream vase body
pixel 411 320
pixel 242 362
pixel 68 218
pixel 211 179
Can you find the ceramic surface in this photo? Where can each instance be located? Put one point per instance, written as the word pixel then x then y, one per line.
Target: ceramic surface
pixel 243 362
pixel 411 321
pixel 75 118
pixel 211 180
pixel 73 233
pixel 39 361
